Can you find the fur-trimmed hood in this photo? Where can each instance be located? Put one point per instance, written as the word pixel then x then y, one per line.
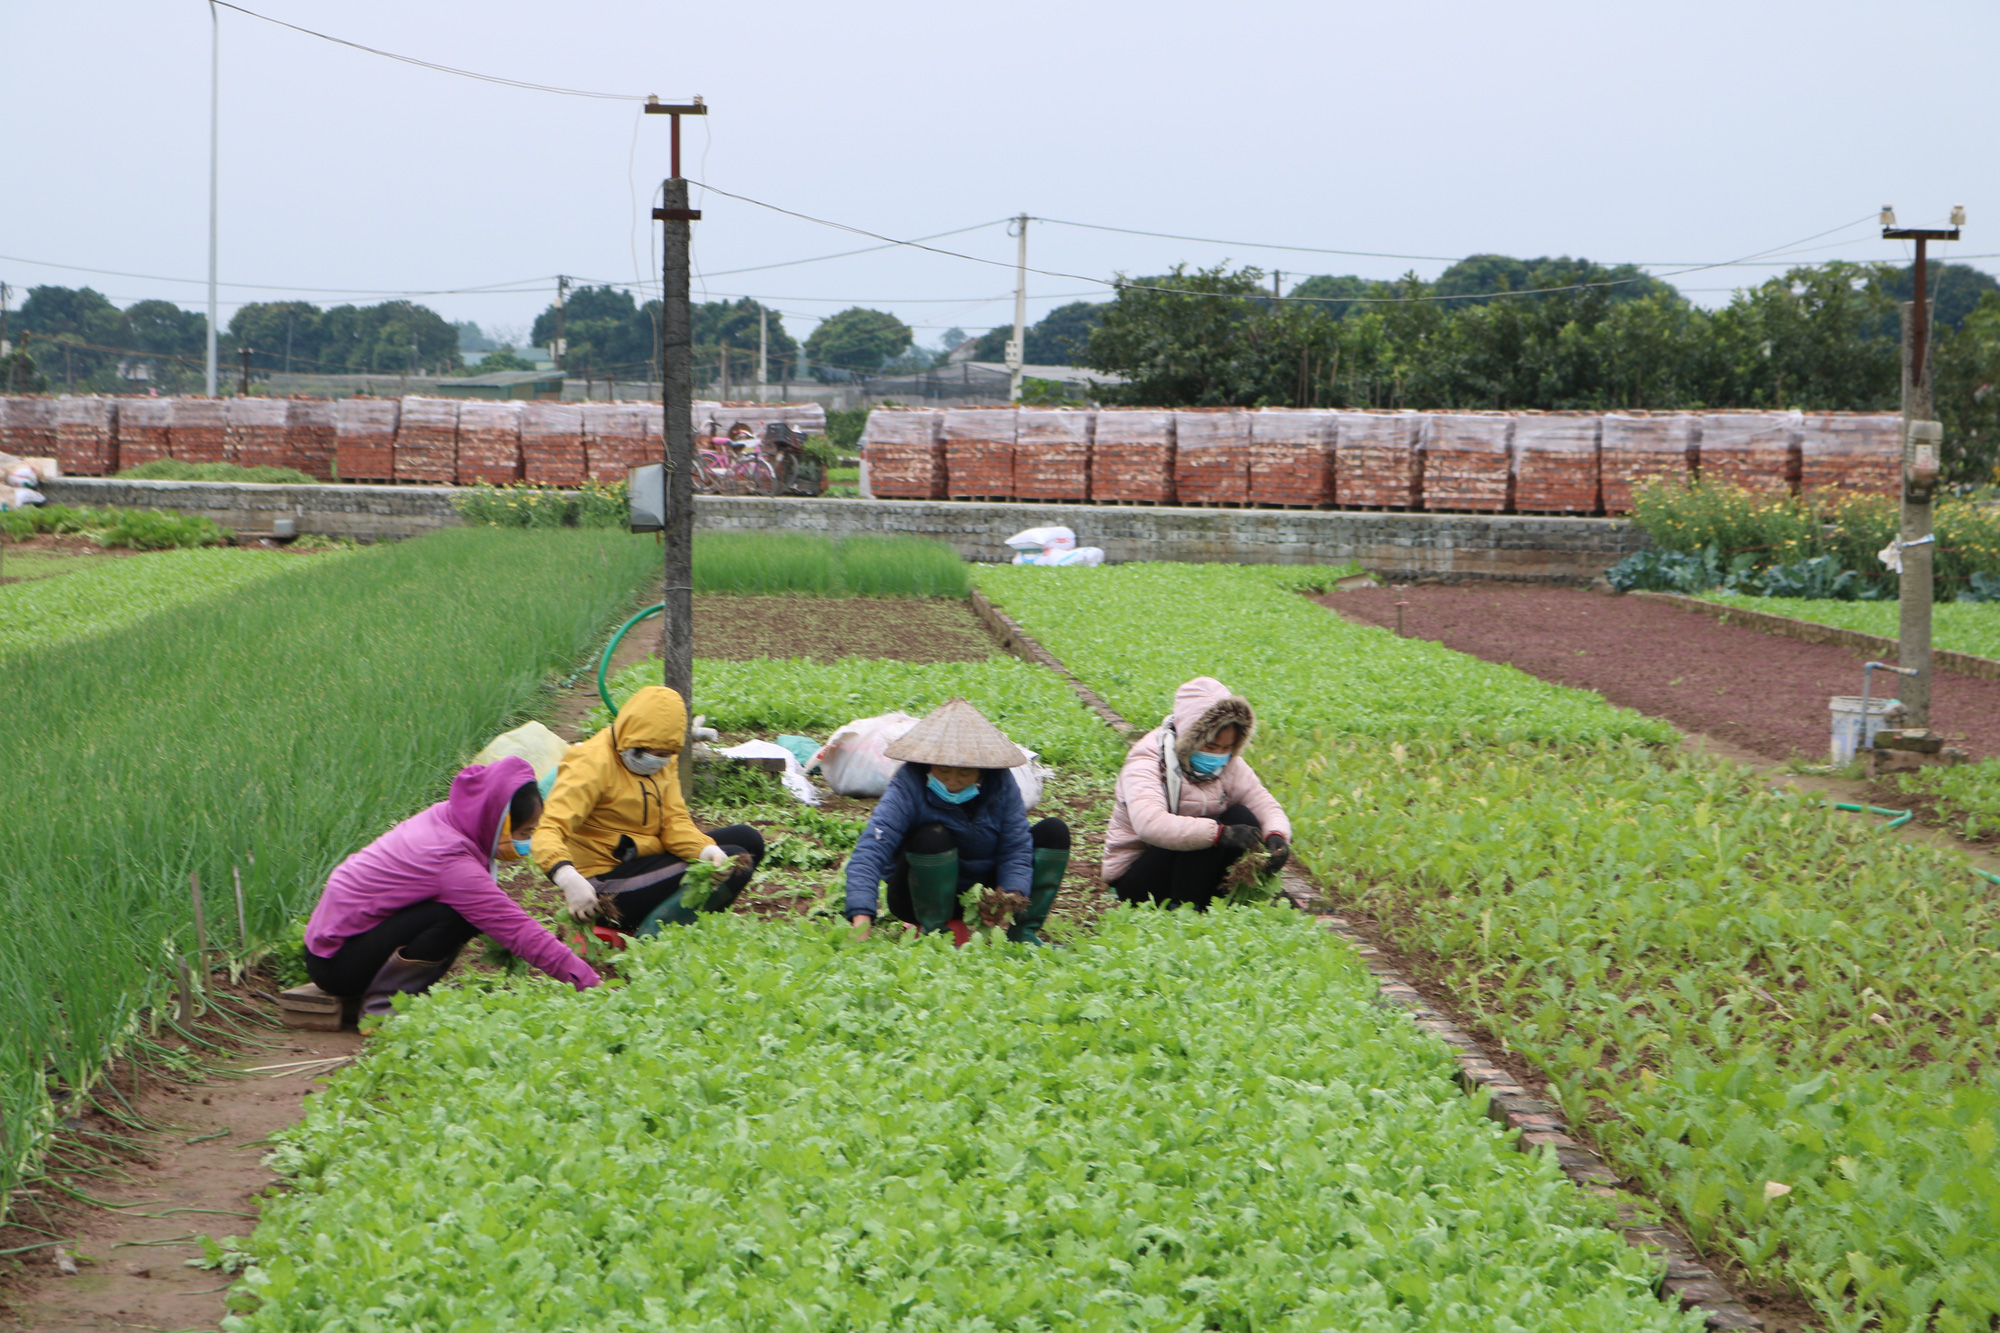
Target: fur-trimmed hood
pixel 1203 707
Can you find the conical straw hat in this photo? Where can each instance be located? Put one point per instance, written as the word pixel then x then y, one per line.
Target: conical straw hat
pixel 957 735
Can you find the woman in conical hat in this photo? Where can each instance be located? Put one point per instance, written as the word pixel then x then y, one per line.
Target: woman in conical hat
pixel 950 819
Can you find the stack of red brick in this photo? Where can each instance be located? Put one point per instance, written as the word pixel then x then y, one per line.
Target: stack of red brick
pixel 1132 456
pixel 489 443
pixel 427 441
pixel 1291 457
pixel 364 433
pixel 1638 447
pixel 199 432
pixel 1469 461
pixel 618 437
pixel 552 444
pixel 1556 468
pixel 1052 454
pixel 904 453
pixel 979 452
pixel 1851 452
pixel 255 432
pixel 1212 456
pixel 1377 461
pixel 1758 451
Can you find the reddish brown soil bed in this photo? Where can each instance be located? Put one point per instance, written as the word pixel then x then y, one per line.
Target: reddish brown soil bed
pixel 826 629
pixel 1764 693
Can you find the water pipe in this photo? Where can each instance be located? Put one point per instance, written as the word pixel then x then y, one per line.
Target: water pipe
pixel 1867 678
pixel 604 662
pixel 1986 875
pixel 1896 818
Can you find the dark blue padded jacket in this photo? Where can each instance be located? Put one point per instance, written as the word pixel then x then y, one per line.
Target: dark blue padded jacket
pixel 991 830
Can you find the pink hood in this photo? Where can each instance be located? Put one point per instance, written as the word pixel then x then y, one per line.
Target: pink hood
pixel 1140 818
pixel 444 853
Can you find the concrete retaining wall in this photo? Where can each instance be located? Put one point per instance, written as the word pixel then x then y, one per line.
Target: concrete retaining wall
pixel 1400 544
pixel 1406 544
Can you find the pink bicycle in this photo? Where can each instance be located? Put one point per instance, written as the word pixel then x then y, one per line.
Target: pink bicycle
pixel 724 466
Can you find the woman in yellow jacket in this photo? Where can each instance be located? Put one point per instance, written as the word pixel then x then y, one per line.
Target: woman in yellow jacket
pixel 615 823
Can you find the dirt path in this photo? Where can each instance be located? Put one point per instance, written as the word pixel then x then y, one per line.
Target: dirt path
pixel 1755 690
pixel 179 1191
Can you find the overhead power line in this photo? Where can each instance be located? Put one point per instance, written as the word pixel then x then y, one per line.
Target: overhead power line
pixel 522 84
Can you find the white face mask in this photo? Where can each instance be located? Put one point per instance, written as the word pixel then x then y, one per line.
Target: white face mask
pixel 645 765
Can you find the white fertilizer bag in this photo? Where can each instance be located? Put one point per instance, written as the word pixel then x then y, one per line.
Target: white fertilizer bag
pixel 852 761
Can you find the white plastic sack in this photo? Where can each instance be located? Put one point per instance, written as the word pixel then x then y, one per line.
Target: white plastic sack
pixel 852 761
pixel 20 497
pixel 1082 556
pixel 532 741
pixel 794 777
pixel 1042 539
pixel 1029 777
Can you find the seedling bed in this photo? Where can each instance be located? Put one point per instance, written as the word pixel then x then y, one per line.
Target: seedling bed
pixel 826 629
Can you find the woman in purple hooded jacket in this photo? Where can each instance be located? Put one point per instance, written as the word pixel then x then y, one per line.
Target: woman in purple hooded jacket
pixel 394 915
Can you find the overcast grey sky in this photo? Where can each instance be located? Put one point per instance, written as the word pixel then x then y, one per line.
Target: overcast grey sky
pixel 1671 134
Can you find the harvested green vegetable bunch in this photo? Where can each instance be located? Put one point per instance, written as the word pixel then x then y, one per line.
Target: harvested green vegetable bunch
pixel 699 881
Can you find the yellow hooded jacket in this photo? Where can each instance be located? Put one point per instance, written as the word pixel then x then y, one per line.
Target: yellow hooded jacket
pixel 597 800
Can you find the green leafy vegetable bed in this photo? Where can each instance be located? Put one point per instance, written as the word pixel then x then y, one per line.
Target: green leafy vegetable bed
pixel 1776 1018
pixel 1030 703
pixel 1181 1122
pixel 292 720
pixel 1959 627
pixel 110 594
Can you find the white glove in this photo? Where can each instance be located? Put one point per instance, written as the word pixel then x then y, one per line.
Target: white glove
pixel 577 892
pixel 714 855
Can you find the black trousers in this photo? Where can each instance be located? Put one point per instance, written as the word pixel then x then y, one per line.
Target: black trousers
pixel 931 839
pixel 1173 878
pixel 426 932
pixel 659 881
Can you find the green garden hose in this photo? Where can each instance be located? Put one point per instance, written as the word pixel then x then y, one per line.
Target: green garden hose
pixel 1896 818
pixel 604 662
pixel 1986 875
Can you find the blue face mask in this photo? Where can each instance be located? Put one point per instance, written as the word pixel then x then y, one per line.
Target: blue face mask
pixel 943 793
pixel 521 848
pixel 1207 765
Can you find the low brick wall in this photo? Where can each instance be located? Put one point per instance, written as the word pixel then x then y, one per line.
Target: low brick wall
pixel 1404 545
pixel 1414 545
pixel 368 512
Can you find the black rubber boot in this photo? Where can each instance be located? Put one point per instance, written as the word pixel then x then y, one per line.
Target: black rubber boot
pixel 400 976
pixel 933 889
pixel 1050 865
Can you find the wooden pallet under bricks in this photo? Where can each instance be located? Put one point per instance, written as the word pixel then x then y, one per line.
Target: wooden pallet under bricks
pixel 1052 455
pixel 1758 451
pixel 1637 447
pixel 1377 464
pixel 904 453
pixel 1212 456
pixel 364 435
pixel 1856 452
pixel 1132 456
pixel 1468 461
pixel 1538 1125
pixel 86 436
pixel 1556 462
pixel 978 452
pixel 1291 457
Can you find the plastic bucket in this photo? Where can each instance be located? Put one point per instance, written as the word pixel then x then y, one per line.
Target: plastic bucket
pixel 1852 732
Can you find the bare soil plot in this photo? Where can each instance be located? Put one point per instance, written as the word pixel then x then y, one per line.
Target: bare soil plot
pixel 1755 690
pixel 826 629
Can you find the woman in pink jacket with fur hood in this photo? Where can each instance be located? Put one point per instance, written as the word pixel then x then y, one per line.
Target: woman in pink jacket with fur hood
pixel 1188 805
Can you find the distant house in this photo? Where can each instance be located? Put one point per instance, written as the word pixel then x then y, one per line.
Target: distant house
pixel 524 384
pixel 961 353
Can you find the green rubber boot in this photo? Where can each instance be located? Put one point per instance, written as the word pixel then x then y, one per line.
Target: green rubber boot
pixel 1050 865
pixel 933 889
pixel 668 913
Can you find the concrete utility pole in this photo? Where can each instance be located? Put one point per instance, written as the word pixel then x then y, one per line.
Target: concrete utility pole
pixel 763 350
pixel 1923 438
pixel 244 390
pixel 1015 354
pixel 677 404
pixel 214 144
pixel 562 345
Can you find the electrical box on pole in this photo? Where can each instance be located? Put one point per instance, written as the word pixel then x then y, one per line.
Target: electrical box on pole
pixel 677 406
pixel 1923 438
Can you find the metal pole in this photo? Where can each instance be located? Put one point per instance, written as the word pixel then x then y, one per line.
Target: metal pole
pixel 556 353
pixel 1017 349
pixel 214 146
